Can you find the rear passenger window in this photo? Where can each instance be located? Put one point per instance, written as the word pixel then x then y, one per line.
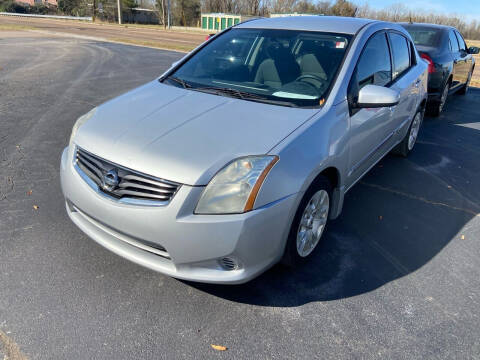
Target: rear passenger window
pixel 401 54
pixel 374 65
pixel 453 42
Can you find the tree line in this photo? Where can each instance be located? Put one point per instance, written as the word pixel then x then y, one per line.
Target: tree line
pixel 187 12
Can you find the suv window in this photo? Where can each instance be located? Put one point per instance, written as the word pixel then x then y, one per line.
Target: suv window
pixel 453 42
pixel 401 54
pixel 374 66
pixel 463 46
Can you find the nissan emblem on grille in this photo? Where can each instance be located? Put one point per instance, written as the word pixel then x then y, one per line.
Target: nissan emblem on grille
pixel 123 184
pixel 110 180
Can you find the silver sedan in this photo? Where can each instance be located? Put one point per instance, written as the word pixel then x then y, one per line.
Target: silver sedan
pixel 238 155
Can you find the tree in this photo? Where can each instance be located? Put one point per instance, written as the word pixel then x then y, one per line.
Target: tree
pixel 282 6
pixel 162 10
pixel 186 12
pixel 343 8
pixel 68 7
pixel 12 6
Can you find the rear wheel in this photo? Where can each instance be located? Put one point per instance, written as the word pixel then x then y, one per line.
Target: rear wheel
pixel 309 223
pixel 436 107
pixel 410 138
pixel 464 89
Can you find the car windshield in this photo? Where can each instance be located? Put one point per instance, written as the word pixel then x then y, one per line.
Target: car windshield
pixel 284 67
pixel 423 37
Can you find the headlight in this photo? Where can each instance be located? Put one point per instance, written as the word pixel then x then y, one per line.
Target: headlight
pixel 80 121
pixel 234 188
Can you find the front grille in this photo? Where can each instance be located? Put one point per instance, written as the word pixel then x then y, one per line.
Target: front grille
pixel 123 184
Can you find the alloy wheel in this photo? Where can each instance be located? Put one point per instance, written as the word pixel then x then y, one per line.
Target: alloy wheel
pixel 412 136
pixel 312 223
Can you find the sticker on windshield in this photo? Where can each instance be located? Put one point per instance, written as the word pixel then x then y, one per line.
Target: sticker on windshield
pixel 340 44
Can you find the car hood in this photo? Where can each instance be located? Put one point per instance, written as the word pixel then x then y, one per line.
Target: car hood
pixel 183 135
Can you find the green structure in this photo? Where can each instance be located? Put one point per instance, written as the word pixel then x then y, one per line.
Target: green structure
pixel 220 21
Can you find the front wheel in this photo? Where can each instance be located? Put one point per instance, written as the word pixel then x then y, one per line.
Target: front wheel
pixel 309 223
pixel 410 138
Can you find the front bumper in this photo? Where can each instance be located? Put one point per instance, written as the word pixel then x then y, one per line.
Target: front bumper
pixel 191 245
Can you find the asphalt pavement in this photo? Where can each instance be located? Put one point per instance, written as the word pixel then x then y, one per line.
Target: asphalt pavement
pixel 397 275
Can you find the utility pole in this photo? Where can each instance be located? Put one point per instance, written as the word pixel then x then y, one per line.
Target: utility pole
pixel 119 6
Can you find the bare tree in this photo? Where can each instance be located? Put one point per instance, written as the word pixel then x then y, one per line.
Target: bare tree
pixel 343 8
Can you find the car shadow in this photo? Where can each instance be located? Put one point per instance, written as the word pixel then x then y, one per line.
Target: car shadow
pixel 395 220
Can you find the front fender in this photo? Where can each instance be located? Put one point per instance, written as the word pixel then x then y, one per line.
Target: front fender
pixel 320 143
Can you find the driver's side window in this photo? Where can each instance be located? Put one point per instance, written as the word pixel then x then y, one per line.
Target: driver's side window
pixel 374 66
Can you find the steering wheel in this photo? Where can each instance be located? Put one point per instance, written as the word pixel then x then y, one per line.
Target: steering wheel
pixel 310 76
pixel 313 79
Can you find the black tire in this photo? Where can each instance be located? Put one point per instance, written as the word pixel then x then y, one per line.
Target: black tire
pixel 435 108
pixel 291 256
pixel 464 89
pixel 404 148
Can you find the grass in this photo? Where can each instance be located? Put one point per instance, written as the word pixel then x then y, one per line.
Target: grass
pixel 154 44
pixel 153 27
pixel 15 27
pixel 476 73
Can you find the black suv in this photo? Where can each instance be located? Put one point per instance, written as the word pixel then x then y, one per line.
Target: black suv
pixel 450 62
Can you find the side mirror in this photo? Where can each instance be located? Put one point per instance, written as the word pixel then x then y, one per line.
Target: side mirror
pixel 473 50
pixel 374 96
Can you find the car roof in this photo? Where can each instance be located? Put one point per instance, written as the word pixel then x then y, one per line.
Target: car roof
pixel 335 24
pixel 428 26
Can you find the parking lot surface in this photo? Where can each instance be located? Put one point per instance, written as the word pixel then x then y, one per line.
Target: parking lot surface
pixel 397 275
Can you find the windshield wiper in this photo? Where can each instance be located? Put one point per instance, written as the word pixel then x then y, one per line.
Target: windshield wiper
pixel 179 81
pixel 243 95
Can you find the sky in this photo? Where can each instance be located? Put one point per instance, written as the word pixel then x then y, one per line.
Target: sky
pixel 469 9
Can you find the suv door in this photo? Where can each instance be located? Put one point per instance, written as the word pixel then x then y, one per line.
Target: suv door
pixel 370 128
pixel 465 58
pixel 457 78
pixel 405 80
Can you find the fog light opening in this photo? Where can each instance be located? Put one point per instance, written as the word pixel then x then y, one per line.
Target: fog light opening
pixel 229 263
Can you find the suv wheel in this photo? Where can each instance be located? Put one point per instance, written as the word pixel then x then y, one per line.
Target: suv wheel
pixel 309 223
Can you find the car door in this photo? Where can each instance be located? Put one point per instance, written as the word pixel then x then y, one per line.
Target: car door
pixel 457 77
pixel 370 128
pixel 405 80
pixel 465 60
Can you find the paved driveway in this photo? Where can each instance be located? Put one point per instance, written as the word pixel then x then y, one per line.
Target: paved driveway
pixel 398 275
